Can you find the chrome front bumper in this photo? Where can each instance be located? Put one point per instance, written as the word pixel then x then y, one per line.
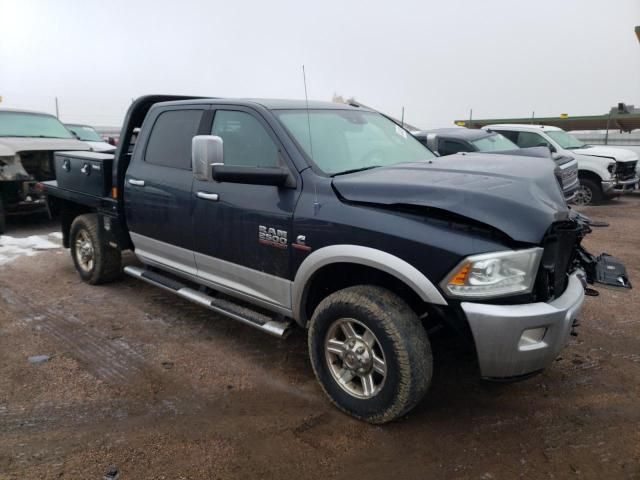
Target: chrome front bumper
pixel 616 187
pixel 505 335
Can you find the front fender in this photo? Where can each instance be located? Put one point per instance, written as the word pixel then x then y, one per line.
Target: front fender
pixel 360 255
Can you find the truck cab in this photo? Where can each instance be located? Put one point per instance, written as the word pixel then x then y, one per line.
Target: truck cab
pixel 332 218
pixel 604 172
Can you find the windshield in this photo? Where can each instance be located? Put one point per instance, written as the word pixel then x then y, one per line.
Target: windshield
pixel 20 124
pixel 494 143
pixel 348 140
pixel 84 132
pixel 565 140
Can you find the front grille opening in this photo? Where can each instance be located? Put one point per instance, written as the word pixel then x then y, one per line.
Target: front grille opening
pixel 559 246
pixel 39 165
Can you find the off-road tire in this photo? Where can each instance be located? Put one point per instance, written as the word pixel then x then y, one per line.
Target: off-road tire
pixel 3 218
pixel 402 339
pixel 595 190
pixel 106 260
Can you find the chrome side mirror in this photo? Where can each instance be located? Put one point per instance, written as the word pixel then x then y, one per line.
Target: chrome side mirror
pixel 206 150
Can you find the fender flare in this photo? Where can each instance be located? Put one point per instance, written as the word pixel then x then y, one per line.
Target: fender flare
pixel 360 255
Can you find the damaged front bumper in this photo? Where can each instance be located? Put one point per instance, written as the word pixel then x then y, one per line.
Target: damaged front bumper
pixel 22 197
pixel 614 187
pixel 516 340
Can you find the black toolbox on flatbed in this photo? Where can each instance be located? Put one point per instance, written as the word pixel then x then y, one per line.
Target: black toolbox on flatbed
pixel 87 172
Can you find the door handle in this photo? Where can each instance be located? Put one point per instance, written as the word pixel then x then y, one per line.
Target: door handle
pixel 208 196
pixel 137 183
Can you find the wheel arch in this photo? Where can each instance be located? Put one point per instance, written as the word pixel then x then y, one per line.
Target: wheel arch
pixel 337 259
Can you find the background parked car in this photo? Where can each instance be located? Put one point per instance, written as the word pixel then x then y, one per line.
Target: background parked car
pixel 88 134
pixel 447 141
pixel 604 171
pixel 27 142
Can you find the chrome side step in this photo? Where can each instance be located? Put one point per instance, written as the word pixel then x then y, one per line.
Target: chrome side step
pixel 278 328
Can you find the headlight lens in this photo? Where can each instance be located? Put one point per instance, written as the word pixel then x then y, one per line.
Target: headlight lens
pixel 491 275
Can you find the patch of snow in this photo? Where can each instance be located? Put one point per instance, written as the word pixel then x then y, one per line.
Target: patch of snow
pixel 12 248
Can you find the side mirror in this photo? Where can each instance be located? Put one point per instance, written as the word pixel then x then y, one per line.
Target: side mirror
pixel 206 150
pixel 275 176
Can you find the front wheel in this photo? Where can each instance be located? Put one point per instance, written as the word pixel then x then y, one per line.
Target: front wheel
pixel 370 353
pixel 589 193
pixel 95 261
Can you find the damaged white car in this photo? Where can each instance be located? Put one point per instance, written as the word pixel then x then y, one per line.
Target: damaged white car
pixel 27 142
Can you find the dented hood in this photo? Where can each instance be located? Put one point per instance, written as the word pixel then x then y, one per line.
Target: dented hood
pixel 12 145
pixel 520 198
pixel 619 154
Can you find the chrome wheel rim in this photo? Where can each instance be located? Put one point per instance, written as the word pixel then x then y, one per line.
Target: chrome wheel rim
pixel 84 251
pixel 583 196
pixel 355 358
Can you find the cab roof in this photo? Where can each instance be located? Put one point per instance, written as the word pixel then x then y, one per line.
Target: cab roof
pixel 271 103
pixel 460 133
pixel 520 126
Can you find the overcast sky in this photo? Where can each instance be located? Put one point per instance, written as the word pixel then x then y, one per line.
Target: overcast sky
pixel 437 58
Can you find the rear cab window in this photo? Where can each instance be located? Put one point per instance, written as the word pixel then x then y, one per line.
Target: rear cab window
pixel 169 143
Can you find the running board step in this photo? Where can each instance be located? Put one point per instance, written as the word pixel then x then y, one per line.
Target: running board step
pixel 263 322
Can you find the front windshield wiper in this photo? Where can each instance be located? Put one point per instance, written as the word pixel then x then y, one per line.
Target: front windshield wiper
pixel 354 170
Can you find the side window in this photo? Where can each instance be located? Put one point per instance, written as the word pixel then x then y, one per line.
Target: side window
pixel 530 139
pixel 422 139
pixel 513 136
pixel 449 147
pixel 245 141
pixel 170 140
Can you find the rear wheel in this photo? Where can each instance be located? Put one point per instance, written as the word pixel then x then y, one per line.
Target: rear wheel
pixel 95 261
pixel 370 353
pixel 589 193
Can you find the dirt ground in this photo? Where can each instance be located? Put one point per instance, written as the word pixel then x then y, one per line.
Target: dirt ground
pixel 144 383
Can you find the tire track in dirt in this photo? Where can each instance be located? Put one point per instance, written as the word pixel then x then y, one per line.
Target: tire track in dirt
pixel 113 361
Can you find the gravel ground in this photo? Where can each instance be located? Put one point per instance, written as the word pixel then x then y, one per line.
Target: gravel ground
pixel 151 386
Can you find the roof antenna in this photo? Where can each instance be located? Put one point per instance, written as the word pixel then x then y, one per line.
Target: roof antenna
pixel 316 204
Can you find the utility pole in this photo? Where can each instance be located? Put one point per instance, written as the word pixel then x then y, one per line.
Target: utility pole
pixel 57 110
pixel 533 115
pixel 470 117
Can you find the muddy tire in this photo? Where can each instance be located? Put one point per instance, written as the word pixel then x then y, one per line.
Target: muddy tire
pixel 370 353
pixel 3 218
pixel 95 261
pixel 589 193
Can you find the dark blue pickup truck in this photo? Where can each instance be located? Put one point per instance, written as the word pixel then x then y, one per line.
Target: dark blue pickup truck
pixel 333 218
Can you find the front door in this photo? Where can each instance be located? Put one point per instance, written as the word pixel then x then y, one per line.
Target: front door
pixel 158 190
pixel 242 232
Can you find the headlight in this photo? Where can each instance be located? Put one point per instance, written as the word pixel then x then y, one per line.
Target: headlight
pixel 492 275
pixel 611 167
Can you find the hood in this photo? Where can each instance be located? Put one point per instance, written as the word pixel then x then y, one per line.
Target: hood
pixel 521 199
pixel 13 145
pixel 619 154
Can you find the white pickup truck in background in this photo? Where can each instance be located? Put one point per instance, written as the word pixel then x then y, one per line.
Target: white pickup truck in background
pixel 604 172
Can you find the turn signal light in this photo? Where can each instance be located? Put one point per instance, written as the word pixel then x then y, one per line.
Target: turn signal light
pixel 460 278
pixel 114 193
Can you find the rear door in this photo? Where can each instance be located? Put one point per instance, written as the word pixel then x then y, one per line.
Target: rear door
pixel 158 183
pixel 242 231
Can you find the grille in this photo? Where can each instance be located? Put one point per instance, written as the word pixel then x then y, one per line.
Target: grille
pixel 626 170
pixel 569 176
pixel 557 259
